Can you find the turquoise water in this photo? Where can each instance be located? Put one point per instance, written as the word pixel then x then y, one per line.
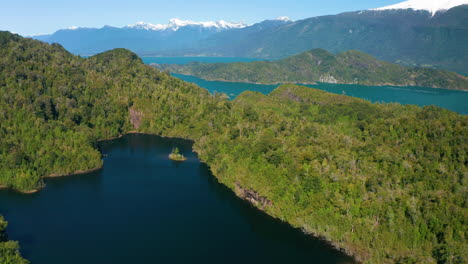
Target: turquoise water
pixel 185 60
pixel 451 99
pixel 232 89
pixel 143 208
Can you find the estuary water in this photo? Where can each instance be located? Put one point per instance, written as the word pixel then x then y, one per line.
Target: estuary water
pixel 145 208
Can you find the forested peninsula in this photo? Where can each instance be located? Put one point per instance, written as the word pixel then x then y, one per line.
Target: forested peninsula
pixel 384 182
pixel 318 65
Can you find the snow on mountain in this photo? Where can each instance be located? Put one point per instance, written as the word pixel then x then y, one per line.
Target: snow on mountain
pixel 433 6
pixel 175 24
pixel 147 26
pixel 284 18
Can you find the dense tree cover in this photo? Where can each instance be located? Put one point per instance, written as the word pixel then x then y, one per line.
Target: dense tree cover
pixel 319 65
pixel 55 106
pixel 9 253
pixel 385 182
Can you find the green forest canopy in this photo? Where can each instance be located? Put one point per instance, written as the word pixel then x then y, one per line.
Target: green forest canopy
pixel 385 182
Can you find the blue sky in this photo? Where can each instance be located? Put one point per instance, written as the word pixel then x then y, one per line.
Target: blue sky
pixel 29 17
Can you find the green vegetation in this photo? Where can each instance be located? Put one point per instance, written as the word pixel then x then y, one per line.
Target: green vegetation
pixel 350 67
pixel 9 253
pixel 175 155
pixel 54 107
pixel 385 182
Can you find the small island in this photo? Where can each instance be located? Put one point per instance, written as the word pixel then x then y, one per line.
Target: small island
pixel 175 155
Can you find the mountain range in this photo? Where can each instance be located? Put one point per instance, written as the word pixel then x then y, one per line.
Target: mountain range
pixel 404 36
pixel 412 33
pixel 180 36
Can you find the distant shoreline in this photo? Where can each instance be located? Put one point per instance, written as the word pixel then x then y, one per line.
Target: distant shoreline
pixel 317 83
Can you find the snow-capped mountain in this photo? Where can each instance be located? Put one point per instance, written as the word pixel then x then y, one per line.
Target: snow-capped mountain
pixel 146 38
pixel 404 33
pixel 284 19
pixel 432 6
pixel 175 24
pixel 397 34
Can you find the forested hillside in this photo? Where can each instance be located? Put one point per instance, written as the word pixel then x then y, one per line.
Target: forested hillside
pixel 384 182
pixel 55 106
pixel 350 67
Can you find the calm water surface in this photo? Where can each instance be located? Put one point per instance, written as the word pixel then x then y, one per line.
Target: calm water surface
pixel 453 100
pixel 144 208
pixel 186 60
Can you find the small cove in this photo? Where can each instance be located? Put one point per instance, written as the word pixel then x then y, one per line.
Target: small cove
pixel 144 208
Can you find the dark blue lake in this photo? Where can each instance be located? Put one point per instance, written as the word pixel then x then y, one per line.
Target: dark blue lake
pixel 145 208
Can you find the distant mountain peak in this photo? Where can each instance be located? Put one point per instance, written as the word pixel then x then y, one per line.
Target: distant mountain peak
pixel 175 24
pixel 284 18
pixel 73 28
pixel 432 6
pixel 147 26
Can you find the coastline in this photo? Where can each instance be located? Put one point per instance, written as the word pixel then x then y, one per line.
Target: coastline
pixel 235 191
pixel 16 190
pixel 317 83
pixel 79 172
pixel 53 175
pixel 261 203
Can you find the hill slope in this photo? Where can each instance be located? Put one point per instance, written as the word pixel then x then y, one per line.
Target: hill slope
pixel 322 66
pixel 384 182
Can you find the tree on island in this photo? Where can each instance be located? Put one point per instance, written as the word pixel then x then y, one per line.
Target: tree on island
pixel 175 155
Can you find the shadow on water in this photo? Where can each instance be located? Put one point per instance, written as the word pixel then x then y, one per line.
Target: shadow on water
pixel 144 208
pixel 272 229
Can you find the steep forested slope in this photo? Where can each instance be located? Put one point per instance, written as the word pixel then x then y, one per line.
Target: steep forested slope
pixel 54 106
pixel 385 182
